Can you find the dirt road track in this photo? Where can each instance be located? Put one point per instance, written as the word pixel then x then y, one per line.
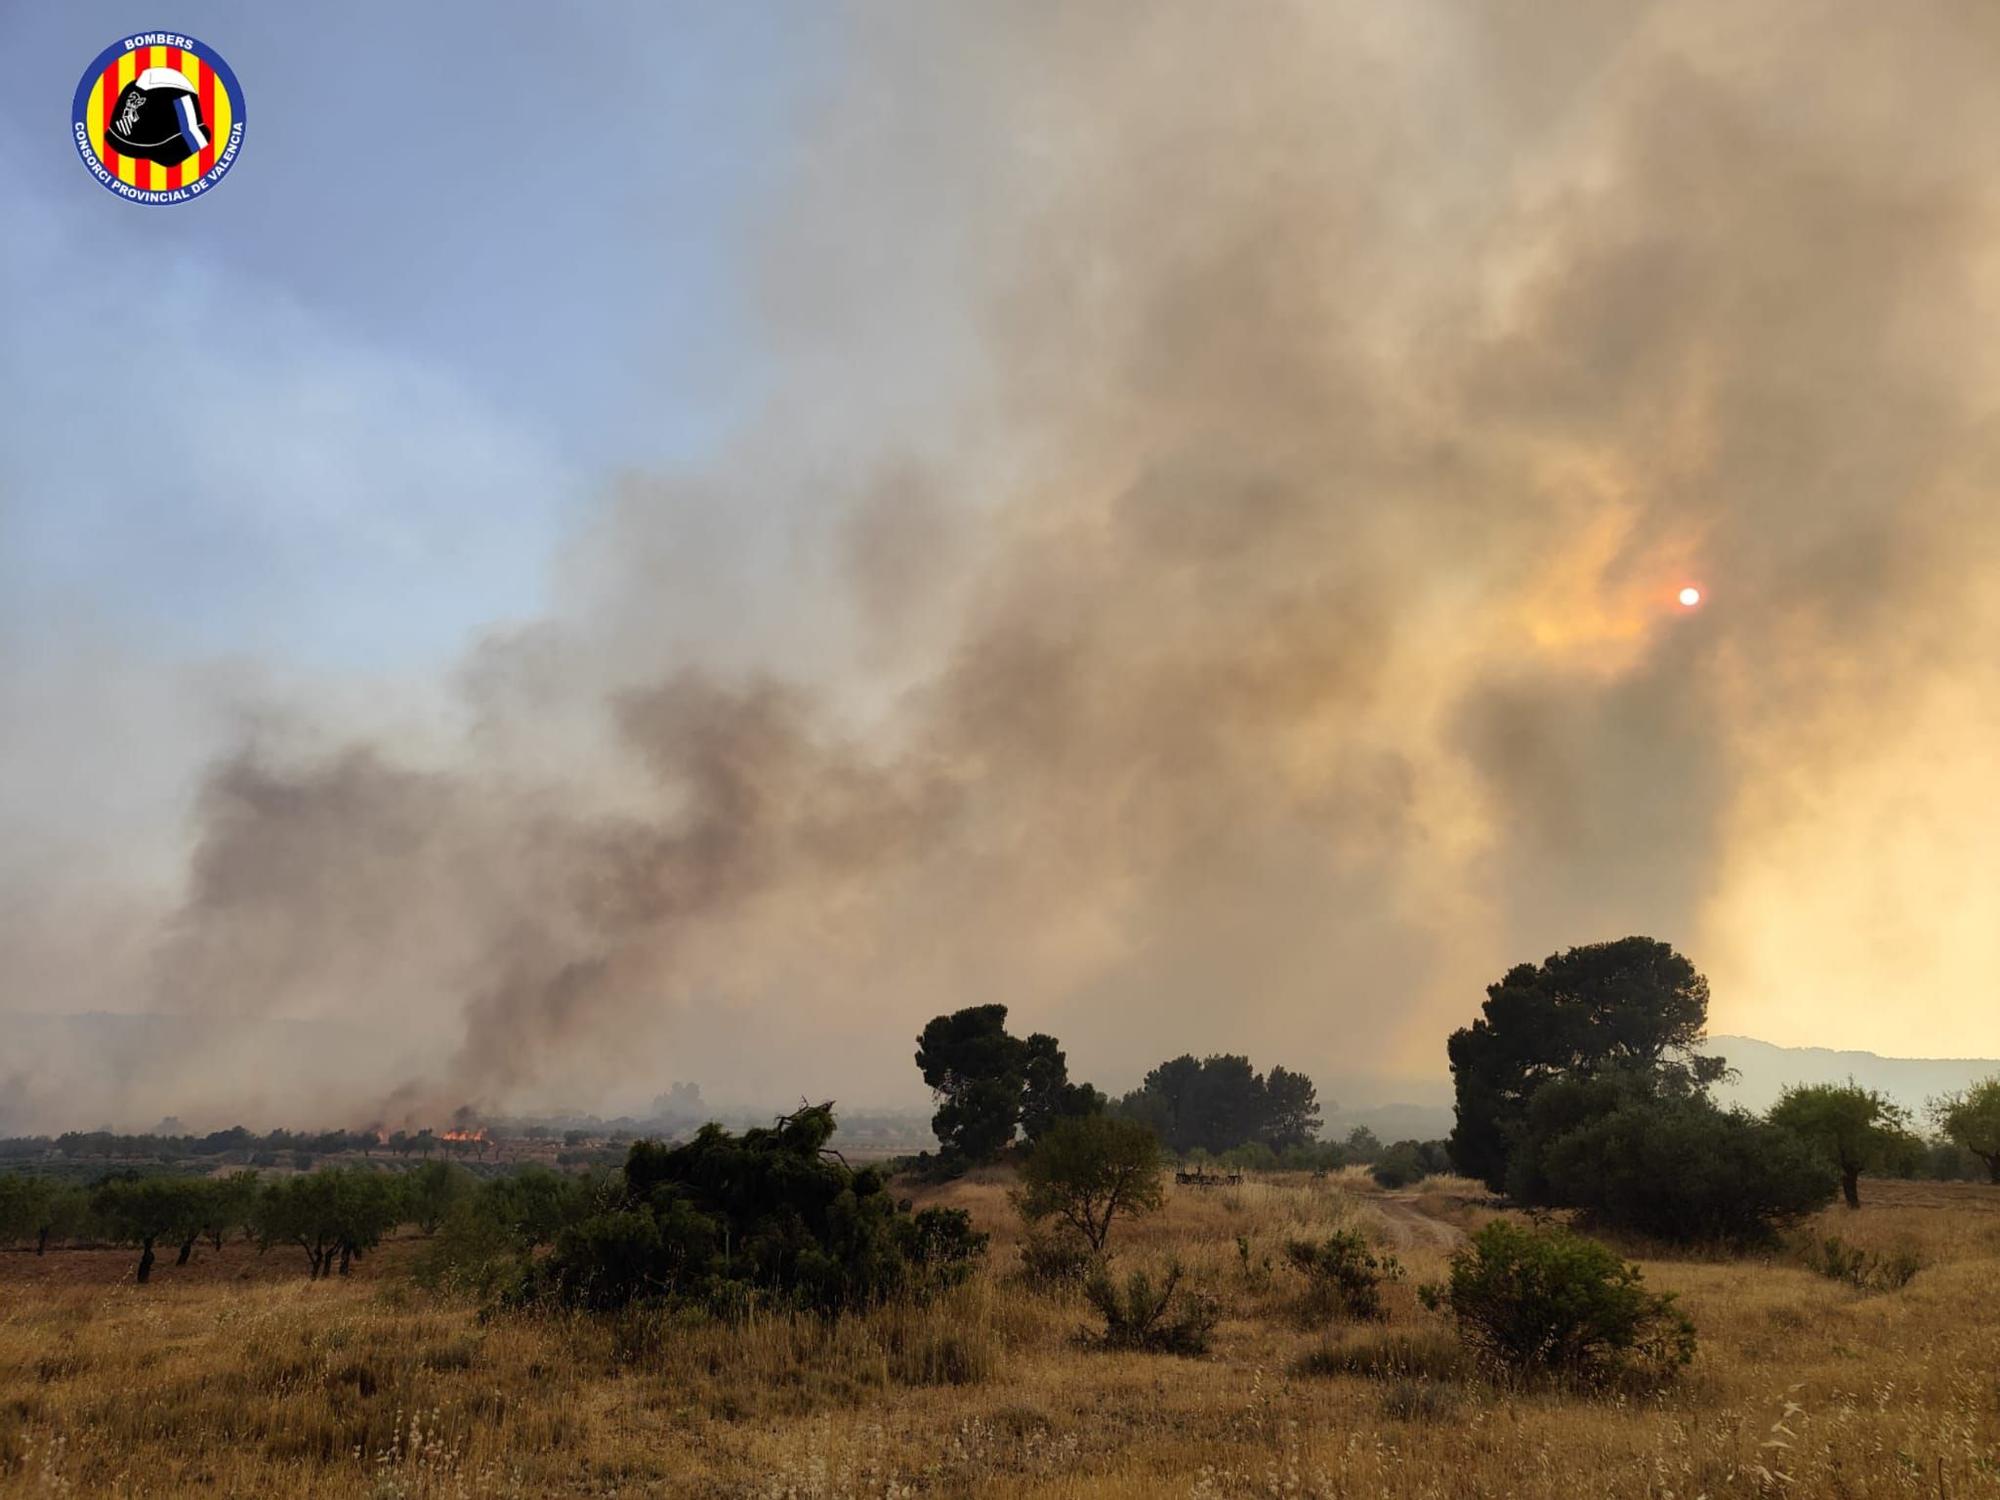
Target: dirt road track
pixel 1412 1228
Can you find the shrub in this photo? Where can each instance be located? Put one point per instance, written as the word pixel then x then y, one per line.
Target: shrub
pixel 1254 1156
pixel 1052 1259
pixel 1344 1275
pixel 472 1253
pixel 535 1204
pixel 1897 1269
pixel 1545 1301
pixel 1421 1402
pixel 941 1246
pixel 1255 1271
pixel 1834 1258
pixel 1409 1162
pixel 1434 1356
pixel 1157 1320
pixel 938 1345
pixel 770 1214
pixel 1675 1168
pixel 489 1231
pixel 430 1190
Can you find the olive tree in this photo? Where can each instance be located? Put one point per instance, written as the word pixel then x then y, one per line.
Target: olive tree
pixel 40 1208
pixel 144 1210
pixel 1090 1170
pixel 1855 1129
pixel 1971 1118
pixel 329 1214
pixel 231 1205
pixel 430 1192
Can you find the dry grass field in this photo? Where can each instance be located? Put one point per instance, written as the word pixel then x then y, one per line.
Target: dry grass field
pixel 235 1376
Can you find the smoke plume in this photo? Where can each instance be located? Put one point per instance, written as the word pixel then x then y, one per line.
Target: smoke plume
pixel 1206 579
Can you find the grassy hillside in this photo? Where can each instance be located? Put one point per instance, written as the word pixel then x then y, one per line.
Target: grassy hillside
pixel 234 1376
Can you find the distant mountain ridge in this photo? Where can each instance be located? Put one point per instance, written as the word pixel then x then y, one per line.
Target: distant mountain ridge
pixel 1764 1069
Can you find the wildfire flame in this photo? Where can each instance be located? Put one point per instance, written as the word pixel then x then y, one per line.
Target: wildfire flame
pixel 466 1135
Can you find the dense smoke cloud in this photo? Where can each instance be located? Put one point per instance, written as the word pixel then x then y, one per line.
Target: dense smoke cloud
pixel 1207 579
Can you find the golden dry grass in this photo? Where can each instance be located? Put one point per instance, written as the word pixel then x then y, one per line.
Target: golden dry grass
pixel 213 1382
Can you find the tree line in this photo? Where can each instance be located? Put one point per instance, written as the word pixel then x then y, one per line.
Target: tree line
pixel 252 1148
pixel 333 1215
pixel 993 1089
pixel 1582 1085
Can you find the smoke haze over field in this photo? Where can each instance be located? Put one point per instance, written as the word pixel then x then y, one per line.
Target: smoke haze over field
pixel 1201 570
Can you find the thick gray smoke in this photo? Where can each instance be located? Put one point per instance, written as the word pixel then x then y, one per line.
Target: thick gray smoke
pixel 1207 579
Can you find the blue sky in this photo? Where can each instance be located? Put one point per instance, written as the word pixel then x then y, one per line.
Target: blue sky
pixel 471 265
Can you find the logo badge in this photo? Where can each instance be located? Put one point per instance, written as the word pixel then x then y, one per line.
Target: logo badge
pixel 158 118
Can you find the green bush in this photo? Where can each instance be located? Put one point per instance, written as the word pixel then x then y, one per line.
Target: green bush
pixel 1344 1275
pixel 1676 1168
pixel 1156 1319
pixel 430 1190
pixel 1543 1301
pixel 485 1240
pixel 472 1253
pixel 535 1204
pixel 941 1246
pixel 1089 1172
pixel 1409 1162
pixel 770 1214
pixel 612 1259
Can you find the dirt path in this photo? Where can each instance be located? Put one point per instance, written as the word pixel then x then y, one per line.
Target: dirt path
pixel 1412 1228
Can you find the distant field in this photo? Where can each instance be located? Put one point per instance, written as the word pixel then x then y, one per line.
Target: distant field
pixel 235 1376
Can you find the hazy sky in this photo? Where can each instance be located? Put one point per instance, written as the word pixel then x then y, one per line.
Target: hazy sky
pixel 630 542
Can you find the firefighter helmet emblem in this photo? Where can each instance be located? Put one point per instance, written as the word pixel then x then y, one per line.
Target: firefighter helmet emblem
pixel 159 118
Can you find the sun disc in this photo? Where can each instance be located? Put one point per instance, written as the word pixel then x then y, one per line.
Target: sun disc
pixel 1690 597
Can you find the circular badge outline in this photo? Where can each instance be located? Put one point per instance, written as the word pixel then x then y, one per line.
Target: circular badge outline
pixel 94 164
